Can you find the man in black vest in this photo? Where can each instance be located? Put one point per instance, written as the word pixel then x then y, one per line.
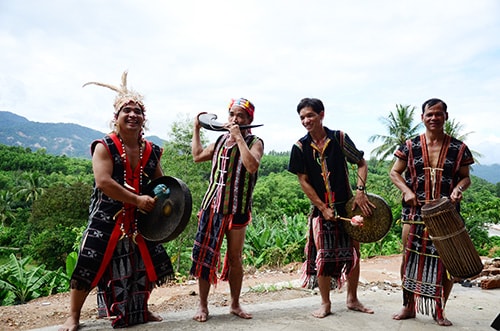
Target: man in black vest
pixel 319 159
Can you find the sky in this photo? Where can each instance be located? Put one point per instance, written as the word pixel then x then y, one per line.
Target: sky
pixel 360 57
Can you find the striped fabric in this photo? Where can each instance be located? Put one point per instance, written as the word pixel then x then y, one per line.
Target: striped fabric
pixel 226 204
pixel 231 185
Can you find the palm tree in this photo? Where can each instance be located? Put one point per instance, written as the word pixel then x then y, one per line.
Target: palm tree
pixel 453 128
pixel 6 201
pixel 400 127
pixel 33 185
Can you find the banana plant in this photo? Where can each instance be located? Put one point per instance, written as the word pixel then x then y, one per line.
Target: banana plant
pixel 24 282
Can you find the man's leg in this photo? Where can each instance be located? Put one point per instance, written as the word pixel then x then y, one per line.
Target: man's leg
pixel 235 241
pixel 77 299
pixel 409 310
pixel 324 284
pixel 352 301
pixel 204 289
pixel 447 286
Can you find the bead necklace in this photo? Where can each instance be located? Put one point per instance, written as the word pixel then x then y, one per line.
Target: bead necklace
pixel 130 188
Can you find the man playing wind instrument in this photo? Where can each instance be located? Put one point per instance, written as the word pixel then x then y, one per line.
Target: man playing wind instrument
pixel 227 205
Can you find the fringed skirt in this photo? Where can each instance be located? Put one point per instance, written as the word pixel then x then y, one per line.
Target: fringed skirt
pixel 207 245
pixel 329 252
pixel 423 273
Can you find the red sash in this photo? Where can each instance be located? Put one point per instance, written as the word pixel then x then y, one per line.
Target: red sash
pixel 128 218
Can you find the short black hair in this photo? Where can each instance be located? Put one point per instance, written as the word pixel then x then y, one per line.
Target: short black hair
pixel 315 104
pixel 432 102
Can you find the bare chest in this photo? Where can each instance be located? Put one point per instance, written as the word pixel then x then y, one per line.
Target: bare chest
pixel 434 152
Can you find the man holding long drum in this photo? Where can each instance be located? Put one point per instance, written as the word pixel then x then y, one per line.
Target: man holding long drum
pixel 435 165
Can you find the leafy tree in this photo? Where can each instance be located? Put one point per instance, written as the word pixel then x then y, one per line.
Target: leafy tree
pixel 13 158
pixel 278 195
pixel 181 133
pixel 400 126
pixel 63 204
pixel 16 236
pixel 177 161
pixel 51 246
pixel 274 162
pixel 53 218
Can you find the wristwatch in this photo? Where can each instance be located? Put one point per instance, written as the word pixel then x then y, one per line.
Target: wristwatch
pixel 360 188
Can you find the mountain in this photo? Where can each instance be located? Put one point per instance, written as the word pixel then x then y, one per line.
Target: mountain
pixel 68 139
pixel 490 172
pixel 74 140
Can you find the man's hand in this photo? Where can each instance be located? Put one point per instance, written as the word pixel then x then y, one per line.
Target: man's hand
pixel 410 198
pixel 145 203
pixel 361 201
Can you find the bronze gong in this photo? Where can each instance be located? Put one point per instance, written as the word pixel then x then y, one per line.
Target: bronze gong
pixel 376 226
pixel 172 210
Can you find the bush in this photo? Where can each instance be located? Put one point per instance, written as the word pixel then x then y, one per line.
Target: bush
pixel 275 242
pixel 51 247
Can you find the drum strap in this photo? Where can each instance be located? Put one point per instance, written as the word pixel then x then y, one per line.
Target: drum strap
pixel 451 235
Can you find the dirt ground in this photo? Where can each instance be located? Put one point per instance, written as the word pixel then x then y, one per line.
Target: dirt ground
pixel 258 287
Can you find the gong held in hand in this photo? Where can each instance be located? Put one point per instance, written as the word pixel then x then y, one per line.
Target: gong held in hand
pixel 171 213
pixel 374 227
pixel 208 121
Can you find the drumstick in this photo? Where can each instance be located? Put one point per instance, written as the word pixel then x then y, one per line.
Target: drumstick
pixel 143 211
pixel 350 220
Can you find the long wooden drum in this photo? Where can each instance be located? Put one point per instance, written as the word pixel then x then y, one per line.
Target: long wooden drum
pixel 447 231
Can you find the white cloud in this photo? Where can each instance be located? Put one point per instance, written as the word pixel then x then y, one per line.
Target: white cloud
pixel 361 58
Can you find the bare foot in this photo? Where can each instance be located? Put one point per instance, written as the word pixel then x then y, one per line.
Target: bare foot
pixel 241 313
pixel 323 311
pixel 70 325
pixel 201 314
pixel 154 317
pixel 443 322
pixel 404 314
pixel 358 306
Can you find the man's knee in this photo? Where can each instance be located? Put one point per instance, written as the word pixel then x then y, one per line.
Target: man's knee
pixel 234 259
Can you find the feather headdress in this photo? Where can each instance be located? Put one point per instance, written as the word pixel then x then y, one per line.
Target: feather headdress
pixel 125 95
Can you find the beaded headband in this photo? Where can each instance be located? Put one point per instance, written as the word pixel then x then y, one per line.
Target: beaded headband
pixel 125 95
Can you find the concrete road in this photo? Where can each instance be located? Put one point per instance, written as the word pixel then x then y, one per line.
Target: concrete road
pixel 468 309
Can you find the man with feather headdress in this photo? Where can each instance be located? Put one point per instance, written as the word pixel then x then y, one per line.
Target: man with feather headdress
pixel 113 255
